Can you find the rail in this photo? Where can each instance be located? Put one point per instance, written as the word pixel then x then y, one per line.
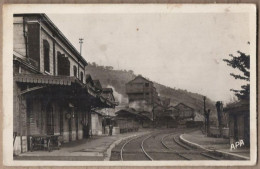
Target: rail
pixel 142 146
pixel 162 141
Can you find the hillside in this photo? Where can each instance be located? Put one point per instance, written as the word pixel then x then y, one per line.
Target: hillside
pixel 118 78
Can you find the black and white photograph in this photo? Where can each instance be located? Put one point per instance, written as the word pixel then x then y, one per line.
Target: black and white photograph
pixel 129 85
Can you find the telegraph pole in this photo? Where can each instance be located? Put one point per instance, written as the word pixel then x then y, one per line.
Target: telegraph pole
pixel 206 115
pixel 205 112
pixel 80 42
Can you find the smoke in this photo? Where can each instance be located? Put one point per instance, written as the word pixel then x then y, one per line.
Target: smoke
pixel 118 97
pixel 140 105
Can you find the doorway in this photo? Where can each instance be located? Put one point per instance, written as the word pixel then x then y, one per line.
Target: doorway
pixel 49 119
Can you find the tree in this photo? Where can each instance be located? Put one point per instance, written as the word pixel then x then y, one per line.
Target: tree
pixel 242 63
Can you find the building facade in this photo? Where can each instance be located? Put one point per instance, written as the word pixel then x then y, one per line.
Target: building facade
pixel 142 95
pixel 239 122
pixel 101 115
pixel 185 112
pixel 53 95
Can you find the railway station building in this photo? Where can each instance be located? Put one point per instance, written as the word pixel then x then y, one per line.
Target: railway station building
pixel 52 93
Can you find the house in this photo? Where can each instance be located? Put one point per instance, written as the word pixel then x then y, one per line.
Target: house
pixel 172 111
pixel 165 102
pixel 142 95
pixel 185 112
pixel 97 127
pixel 239 121
pixel 52 93
pixel 100 115
pixel 128 119
pixel 167 117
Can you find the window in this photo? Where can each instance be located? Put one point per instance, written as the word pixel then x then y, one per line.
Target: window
pixel 46 53
pixel 75 71
pixel 146 84
pixel 63 65
pixel 81 76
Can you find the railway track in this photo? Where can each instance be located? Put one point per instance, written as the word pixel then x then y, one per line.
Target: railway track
pixel 133 141
pixel 205 154
pixel 179 154
pixel 153 146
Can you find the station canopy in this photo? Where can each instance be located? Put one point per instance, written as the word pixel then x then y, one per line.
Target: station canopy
pixel 62 87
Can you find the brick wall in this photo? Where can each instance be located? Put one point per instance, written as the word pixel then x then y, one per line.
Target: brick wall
pixel 18 36
pixel 16 121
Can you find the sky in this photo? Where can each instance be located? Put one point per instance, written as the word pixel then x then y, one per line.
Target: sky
pixel 179 50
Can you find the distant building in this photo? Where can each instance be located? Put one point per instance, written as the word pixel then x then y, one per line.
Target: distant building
pixel 185 112
pixel 172 111
pixel 142 95
pixel 167 117
pixel 128 120
pixel 199 117
pixel 100 115
pixel 165 102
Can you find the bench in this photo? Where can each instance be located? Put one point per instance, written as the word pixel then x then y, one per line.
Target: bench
pixel 44 142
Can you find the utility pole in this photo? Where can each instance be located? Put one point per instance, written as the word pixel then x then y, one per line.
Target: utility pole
pixel 204 108
pixel 80 42
pixel 206 115
pixel 219 106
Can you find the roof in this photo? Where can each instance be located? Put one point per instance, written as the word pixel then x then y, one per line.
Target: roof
pixel 97 84
pixel 199 117
pixel 20 59
pixel 184 105
pixel 238 107
pixel 61 80
pixel 171 107
pixel 132 112
pixel 107 90
pixel 54 28
pixel 89 79
pixel 127 111
pixel 139 76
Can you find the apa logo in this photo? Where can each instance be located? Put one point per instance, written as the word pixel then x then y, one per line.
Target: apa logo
pixel 237 144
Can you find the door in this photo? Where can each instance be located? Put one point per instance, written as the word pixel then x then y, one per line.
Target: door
pixel 77 124
pixel 49 119
pixel 61 121
pixel 70 129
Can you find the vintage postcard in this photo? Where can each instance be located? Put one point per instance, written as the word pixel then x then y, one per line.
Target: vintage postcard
pixel 129 85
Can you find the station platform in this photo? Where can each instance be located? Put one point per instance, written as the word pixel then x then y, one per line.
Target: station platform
pixel 96 148
pixel 217 146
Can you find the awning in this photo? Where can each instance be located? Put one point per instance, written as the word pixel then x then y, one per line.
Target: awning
pixel 47 80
